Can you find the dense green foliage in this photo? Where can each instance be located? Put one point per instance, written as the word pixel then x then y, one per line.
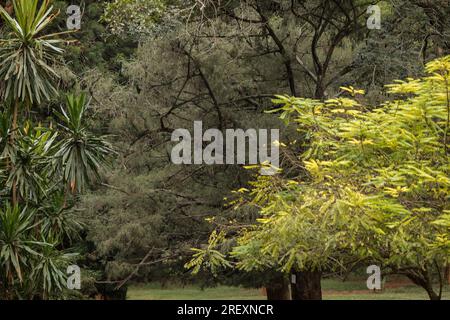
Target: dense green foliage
pixel 153 66
pixel 43 167
pixel 376 186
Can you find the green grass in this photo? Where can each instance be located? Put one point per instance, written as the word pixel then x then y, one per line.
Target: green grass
pixel 357 290
pixel 332 290
pixel 155 292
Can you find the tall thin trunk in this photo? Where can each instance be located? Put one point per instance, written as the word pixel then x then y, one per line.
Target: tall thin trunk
pixel 447 273
pixel 13 139
pixel 307 286
pixel 319 94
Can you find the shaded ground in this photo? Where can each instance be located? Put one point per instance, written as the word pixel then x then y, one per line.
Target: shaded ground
pixel 397 289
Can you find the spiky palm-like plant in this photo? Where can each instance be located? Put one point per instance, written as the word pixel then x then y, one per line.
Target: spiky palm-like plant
pixel 40 168
pixel 15 243
pixel 79 152
pixel 26 59
pixel 26 56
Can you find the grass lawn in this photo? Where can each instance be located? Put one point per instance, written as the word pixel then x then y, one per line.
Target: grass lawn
pixel 332 290
pixel 155 292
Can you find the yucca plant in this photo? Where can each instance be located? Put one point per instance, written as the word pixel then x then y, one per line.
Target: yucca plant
pixel 31 268
pixel 26 56
pixel 57 219
pixel 32 152
pixel 47 275
pixel 15 241
pixel 39 167
pixel 80 153
pixel 26 60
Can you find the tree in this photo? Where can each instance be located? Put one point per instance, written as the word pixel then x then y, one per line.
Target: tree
pixel 41 167
pixel 376 188
pixel 221 64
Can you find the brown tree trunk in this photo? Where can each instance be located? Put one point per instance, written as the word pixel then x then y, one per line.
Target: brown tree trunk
pixel 424 280
pixel 279 290
pixel 319 94
pixel 447 273
pixel 307 286
pixel 431 294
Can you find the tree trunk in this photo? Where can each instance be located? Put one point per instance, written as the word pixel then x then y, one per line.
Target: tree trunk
pixel 108 291
pixel 425 282
pixel 433 296
pixel 319 94
pixel 279 290
pixel 13 140
pixel 447 273
pixel 307 286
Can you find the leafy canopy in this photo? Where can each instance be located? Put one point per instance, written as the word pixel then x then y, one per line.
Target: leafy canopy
pixel 374 184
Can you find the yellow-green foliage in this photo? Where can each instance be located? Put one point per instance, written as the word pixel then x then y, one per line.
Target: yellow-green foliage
pixel 376 183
